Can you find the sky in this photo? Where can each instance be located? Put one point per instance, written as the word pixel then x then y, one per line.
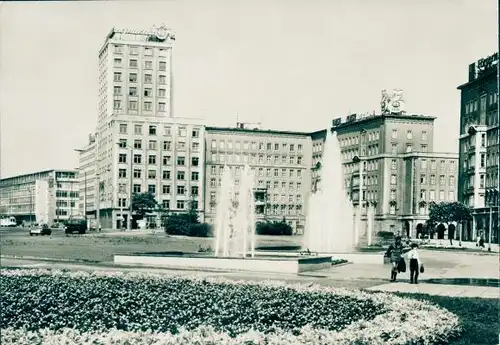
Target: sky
pixel 289 64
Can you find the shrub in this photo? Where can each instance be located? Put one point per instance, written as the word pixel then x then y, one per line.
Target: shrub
pixel 386 235
pixel 186 224
pixel 274 228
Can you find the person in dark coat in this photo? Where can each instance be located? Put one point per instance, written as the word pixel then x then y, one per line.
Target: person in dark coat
pixel 395 253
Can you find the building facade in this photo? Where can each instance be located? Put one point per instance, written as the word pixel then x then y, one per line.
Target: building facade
pixel 43 197
pixel 280 160
pixel 479 146
pixel 378 153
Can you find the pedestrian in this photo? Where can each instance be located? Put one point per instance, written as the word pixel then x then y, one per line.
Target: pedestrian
pixel 481 240
pixel 414 262
pixel 395 252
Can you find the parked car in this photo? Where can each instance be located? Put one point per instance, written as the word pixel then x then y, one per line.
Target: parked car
pixel 42 229
pixel 75 225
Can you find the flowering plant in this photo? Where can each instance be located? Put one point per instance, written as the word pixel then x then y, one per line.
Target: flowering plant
pixel 113 307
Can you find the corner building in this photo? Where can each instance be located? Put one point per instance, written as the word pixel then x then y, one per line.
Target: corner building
pixel 140 146
pixel 281 161
pixel 479 147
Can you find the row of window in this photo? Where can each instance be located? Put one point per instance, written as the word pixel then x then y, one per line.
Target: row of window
pixel 166 145
pixel 252 158
pixel 135 50
pixel 133 63
pixel 165 174
pixel 132 105
pixel 473 106
pixel 432 195
pixel 133 78
pixel 442 180
pixel 153 130
pixel 253 146
pixel 132 91
pixel 152 159
pixel 442 165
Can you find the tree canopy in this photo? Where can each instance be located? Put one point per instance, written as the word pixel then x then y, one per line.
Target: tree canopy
pixel 448 212
pixel 143 203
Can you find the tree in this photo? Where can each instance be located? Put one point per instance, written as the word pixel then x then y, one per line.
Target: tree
pixel 144 203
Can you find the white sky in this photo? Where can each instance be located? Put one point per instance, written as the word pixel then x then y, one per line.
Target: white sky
pixel 294 64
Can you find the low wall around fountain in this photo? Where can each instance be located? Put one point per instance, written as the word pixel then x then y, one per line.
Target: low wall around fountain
pixel 355 258
pixel 272 264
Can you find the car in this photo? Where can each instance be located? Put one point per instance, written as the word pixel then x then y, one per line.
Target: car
pixel 43 229
pixel 75 225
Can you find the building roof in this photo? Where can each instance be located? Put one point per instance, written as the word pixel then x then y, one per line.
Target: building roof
pixel 248 130
pixel 481 78
pixel 36 172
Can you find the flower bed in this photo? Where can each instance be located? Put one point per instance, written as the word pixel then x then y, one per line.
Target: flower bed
pixel 56 307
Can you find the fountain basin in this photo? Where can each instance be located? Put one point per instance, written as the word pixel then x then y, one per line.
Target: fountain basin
pixel 353 257
pixel 271 263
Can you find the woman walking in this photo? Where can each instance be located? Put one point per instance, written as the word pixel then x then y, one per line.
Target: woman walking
pixel 415 263
pixel 395 253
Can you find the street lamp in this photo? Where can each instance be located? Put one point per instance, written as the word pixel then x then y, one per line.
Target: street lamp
pixel 129 220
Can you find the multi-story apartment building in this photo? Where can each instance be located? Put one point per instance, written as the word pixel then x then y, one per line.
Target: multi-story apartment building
pixel 479 145
pixel 139 145
pixel 281 162
pixel 378 152
pixel 46 196
pixel 87 178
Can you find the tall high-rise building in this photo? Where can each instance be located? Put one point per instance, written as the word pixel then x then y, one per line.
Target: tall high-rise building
pixel 139 145
pixel 479 145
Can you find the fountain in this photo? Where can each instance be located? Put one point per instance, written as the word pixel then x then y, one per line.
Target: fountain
pixel 234 242
pixel 332 224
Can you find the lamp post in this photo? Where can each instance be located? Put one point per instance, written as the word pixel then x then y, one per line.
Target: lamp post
pixel 130 209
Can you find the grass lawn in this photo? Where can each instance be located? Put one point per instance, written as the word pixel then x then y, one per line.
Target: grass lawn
pixel 480 317
pixel 101 248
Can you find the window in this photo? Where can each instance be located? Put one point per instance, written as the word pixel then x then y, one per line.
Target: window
pixel 167 160
pixel 180 204
pixel 117 76
pixel 148 51
pixel 483 160
pixel 409 134
pixel 422 194
pixel 137 159
pixel 299 173
pixel 423 148
pixel 152 130
pixel 452 181
pixel 195 161
pixel 195 175
pixel 180 161
pixel 122 173
pixel 423 179
pixel 137 129
pixel 134 50
pixel 432 195
pixel 137 173
pixel 394 134
pixel 423 164
pixel 162 80
pixel 453 166
pixel 123 128
pixel 117 104
pixel 122 202
pixel 299 147
pixel 181 175
pixel 393 179
pixel 137 188
pixel 394 164
pixel 148 64
pixel 133 63
pixel 132 77
pixel 148 92
pixel 394 148
pixel 392 209
pixel 442 180
pixel 451 195
pixel 118 62
pixel 166 204
pixel 162 93
pixel 148 106
pixel 165 189
pixel 167 145
pixel 433 164
pixel 166 174
pixel 299 160
pixel 152 145
pixel 181 190
pixel 409 147
pixel 182 131
pixel 152 174
pixel 132 105
pixel 117 90
pixel 148 79
pixel 152 159
pixel 481 181
pixel 122 158
pixel 441 195
pixel 213 182
pixel 442 165
pixel 196 134
pixel 433 179
pixel 162 66
pixel 424 135
pixel 161 106
pixel 137 144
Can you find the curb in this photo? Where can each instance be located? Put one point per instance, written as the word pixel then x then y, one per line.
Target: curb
pixel 36 258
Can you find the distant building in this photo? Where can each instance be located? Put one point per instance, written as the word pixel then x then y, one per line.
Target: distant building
pixel 43 197
pixel 379 153
pixel 479 145
pixel 281 161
